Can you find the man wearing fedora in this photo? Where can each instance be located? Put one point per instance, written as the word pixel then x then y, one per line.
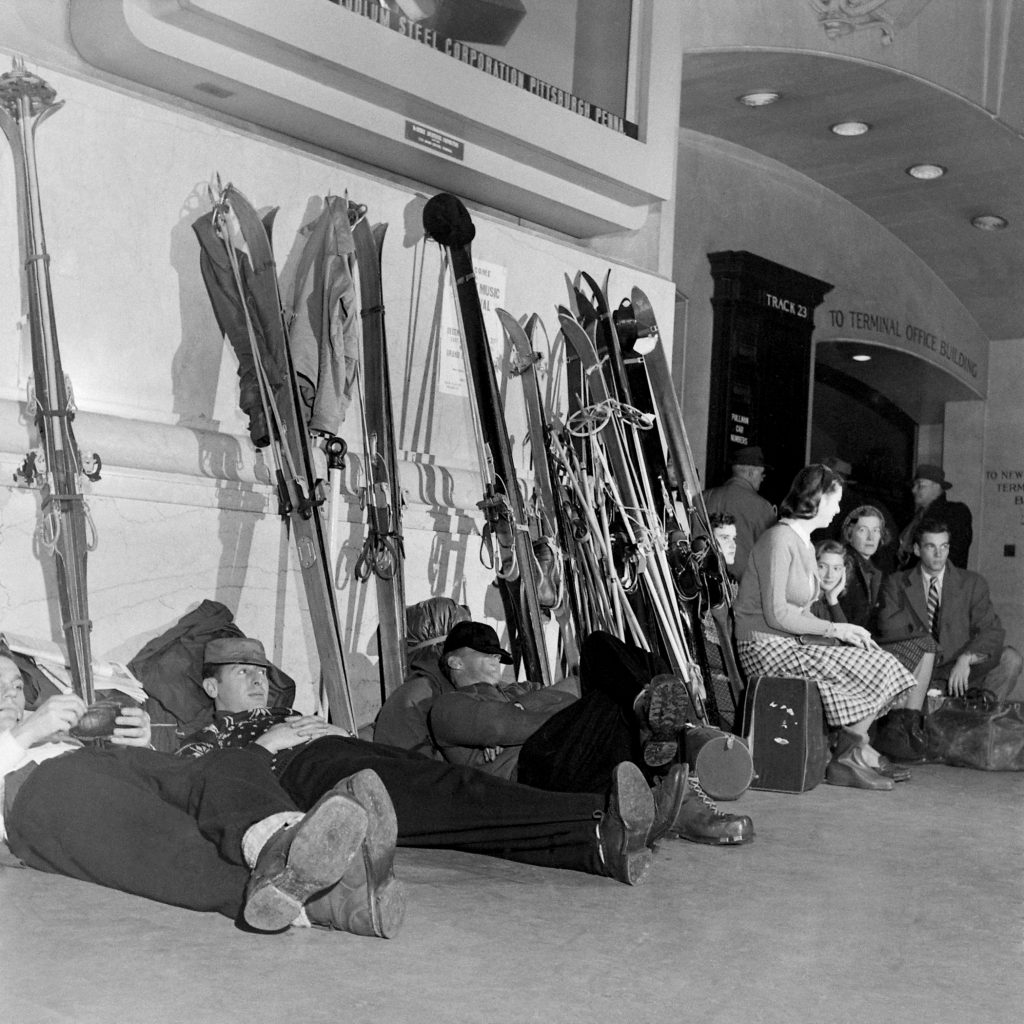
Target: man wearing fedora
pixel 929 488
pixel 738 496
pixel 435 804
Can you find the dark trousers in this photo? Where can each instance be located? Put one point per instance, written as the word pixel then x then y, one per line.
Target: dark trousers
pixel 450 807
pixel 146 822
pixel 577 749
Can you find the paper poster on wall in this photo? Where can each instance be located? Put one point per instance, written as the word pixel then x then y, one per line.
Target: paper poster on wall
pixel 490 284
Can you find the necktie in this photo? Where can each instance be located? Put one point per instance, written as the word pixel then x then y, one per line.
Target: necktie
pixel 933 604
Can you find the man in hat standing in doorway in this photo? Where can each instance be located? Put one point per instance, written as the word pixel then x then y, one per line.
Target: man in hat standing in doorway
pixel 929 488
pixel 738 496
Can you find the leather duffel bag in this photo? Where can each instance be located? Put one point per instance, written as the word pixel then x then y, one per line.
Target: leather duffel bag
pixel 978 730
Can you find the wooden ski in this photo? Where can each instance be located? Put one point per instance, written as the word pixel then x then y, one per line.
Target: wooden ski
pixel 629 492
pixel 65 529
pixel 235 239
pixel 447 222
pixel 549 506
pixel 383 554
pixel 717 590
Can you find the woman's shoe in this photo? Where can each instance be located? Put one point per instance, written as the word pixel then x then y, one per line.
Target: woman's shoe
pixel 896 772
pixel 849 767
pixel 839 773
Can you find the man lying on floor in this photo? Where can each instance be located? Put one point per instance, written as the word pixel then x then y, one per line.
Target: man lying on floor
pixel 443 805
pixel 630 709
pixel 217 834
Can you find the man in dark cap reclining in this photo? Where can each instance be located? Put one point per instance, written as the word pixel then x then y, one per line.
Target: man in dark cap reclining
pixel 608 832
pixel 630 710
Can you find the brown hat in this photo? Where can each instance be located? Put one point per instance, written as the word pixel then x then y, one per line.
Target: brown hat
pixel 235 650
pixel 479 637
pixel 840 466
pixel 752 456
pixel 926 471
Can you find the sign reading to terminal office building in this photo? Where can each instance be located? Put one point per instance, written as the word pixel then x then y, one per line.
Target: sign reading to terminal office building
pixel 914 335
pixel 466 54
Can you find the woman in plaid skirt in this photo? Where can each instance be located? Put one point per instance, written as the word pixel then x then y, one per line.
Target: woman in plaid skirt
pixel 777 634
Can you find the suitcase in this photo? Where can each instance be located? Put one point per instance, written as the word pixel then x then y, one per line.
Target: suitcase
pixel 720 760
pixel 786 733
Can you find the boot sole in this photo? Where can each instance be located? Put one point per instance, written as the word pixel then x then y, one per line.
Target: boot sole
pixel 387 907
pixel 327 839
pixel 723 840
pixel 385 896
pixel 633 803
pixel 666 716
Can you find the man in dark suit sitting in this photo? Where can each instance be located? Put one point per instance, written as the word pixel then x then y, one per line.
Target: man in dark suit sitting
pixel 954 606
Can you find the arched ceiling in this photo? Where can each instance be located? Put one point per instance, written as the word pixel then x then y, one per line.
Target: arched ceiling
pixel 912 122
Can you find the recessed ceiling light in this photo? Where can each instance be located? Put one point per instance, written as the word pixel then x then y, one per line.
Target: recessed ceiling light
pixel 926 172
pixel 989 222
pixel 758 99
pixel 849 128
pixel 861 357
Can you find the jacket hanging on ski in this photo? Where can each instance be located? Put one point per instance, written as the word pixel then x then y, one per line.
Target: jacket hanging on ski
pixel 323 320
pixel 227 307
pixel 324 348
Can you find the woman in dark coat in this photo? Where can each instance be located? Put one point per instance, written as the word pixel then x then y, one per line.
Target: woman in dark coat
pixel 864 532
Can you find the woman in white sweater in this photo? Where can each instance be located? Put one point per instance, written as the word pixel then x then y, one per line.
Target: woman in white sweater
pixel 777 635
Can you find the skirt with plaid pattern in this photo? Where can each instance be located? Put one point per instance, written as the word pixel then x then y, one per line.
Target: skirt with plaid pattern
pixel 854 684
pixel 910 651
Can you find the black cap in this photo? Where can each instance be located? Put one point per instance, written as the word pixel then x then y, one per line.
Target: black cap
pixel 752 456
pixel 479 637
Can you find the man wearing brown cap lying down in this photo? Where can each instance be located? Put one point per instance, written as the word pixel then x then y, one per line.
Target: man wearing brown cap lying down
pixel 217 835
pixel 437 804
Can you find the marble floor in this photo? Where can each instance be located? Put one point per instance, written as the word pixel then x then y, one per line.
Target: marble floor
pixel 848 908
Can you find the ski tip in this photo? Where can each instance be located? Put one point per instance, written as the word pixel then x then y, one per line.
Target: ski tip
pixel 446 220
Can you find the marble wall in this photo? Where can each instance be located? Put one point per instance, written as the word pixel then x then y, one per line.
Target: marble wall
pixel 184 510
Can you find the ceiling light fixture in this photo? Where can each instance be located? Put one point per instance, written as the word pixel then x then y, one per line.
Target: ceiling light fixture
pixel 989 222
pixel 850 128
pixel 758 99
pixel 861 357
pixel 926 172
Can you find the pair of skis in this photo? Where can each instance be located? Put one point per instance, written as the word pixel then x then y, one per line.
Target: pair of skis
pixel 715 593
pixel 446 221
pixel 595 500
pixel 631 504
pixel 65 530
pixel 241 276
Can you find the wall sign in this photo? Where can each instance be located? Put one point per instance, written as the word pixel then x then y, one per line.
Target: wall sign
pixel 489 65
pixel 781 304
pixel 490 284
pixel 917 337
pixel 1008 485
pixel 431 138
